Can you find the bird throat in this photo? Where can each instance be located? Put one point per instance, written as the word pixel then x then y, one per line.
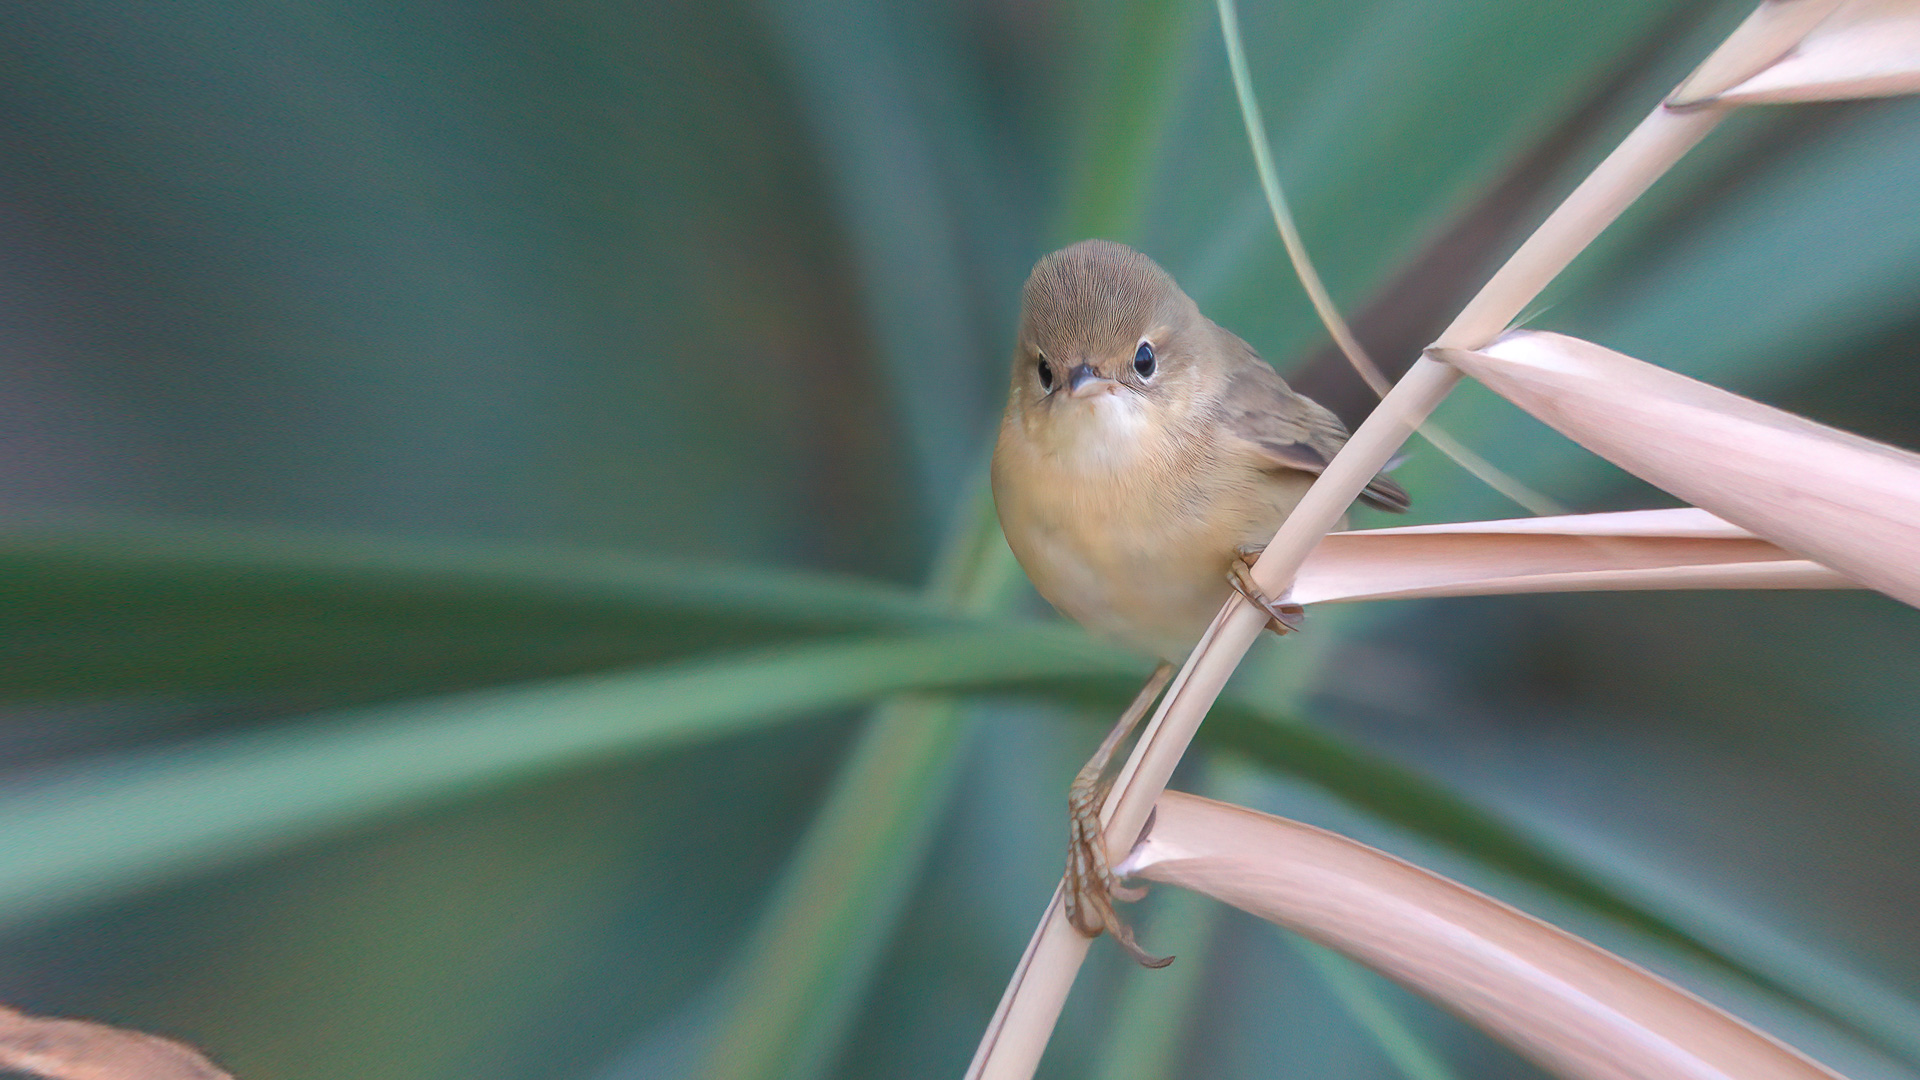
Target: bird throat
pixel 1099 434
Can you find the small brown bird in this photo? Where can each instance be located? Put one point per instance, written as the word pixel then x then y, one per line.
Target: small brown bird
pixel 1145 455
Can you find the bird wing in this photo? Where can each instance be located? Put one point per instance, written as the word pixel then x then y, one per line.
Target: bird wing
pixel 1285 430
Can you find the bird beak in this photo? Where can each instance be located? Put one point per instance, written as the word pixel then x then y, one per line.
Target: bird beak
pixel 1083 381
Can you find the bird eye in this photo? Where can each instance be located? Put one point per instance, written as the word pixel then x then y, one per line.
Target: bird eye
pixel 1143 360
pixel 1046 375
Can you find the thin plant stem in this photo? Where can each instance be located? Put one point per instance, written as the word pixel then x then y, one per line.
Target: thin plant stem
pixel 1647 153
pixel 1774 28
pixel 1018 1034
pixel 1482 469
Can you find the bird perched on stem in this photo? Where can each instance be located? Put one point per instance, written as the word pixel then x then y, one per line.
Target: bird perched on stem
pixel 1145 457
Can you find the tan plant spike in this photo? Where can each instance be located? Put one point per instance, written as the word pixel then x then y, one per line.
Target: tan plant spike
pixel 1574 1009
pixel 1768 34
pixel 1639 549
pixel 1869 48
pixel 1848 502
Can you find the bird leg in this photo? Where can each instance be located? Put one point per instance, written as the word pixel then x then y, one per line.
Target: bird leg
pixel 1282 618
pixel 1091 885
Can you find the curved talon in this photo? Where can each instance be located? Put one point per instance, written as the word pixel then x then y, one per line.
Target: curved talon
pixel 1282 618
pixel 1123 934
pixel 1092 888
pixel 1092 885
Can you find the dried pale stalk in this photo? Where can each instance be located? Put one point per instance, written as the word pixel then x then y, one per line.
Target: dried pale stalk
pixel 1660 140
pixel 1323 306
pixel 1018 1034
pixel 1641 158
pixel 1640 549
pixel 1774 28
pixel 1575 1009
pixel 1015 1039
pixel 78 1050
pixel 1866 48
pixel 1850 503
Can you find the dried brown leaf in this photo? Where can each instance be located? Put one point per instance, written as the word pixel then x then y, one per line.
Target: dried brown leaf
pixel 1570 1006
pixel 1768 34
pixel 1640 549
pixel 81 1050
pixel 1867 48
pixel 1847 502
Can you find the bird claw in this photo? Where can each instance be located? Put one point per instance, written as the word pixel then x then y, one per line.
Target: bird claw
pixel 1282 618
pixel 1092 886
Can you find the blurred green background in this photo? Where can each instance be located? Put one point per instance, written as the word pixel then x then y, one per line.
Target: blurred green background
pixel 473 472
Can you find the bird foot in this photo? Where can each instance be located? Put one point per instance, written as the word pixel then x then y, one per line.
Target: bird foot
pixel 1092 886
pixel 1282 618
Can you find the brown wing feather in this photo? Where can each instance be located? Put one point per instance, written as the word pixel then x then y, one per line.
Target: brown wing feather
pixel 1285 430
